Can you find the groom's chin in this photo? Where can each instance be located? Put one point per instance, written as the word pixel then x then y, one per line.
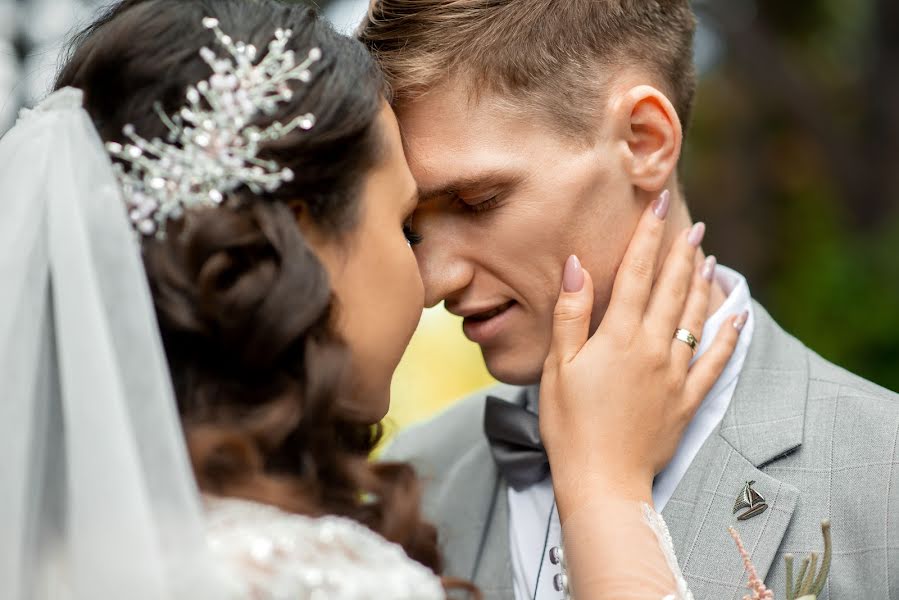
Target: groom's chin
pixel 514 366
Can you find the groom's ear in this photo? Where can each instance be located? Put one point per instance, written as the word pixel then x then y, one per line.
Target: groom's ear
pixel 647 124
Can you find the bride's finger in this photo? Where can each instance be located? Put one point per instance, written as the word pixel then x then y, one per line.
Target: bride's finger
pixel 708 368
pixel 669 294
pixel 633 283
pixel 571 317
pixel 695 312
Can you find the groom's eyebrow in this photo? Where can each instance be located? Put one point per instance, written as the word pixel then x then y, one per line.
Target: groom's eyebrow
pixel 475 181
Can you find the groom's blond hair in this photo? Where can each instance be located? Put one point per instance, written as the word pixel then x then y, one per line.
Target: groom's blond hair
pixel 553 55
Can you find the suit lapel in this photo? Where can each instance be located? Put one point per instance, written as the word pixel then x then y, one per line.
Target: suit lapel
pixel 707 554
pixel 764 422
pixel 472 513
pixel 493 573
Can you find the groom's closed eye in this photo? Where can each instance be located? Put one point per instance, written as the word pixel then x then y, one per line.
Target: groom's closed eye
pixel 481 203
pixel 473 189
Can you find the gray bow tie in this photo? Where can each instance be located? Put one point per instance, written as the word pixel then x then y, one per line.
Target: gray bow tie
pixel 514 435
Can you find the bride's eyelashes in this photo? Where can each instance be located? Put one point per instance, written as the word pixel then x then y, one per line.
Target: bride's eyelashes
pixel 411 236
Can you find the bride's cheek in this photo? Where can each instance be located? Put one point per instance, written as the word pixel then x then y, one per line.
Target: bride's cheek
pixel 407 299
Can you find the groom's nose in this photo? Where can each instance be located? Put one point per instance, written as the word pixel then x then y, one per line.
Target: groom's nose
pixel 443 258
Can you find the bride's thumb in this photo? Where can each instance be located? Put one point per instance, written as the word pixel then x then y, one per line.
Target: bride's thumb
pixel 571 317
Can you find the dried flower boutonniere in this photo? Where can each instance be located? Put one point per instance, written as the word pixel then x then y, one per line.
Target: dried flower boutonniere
pixel 807 586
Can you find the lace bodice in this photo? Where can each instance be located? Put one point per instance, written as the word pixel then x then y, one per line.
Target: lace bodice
pixel 273 555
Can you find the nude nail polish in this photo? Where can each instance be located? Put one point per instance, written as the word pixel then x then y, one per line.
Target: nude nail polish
pixel 573 276
pixel 696 235
pixel 740 323
pixel 708 269
pixel 662 204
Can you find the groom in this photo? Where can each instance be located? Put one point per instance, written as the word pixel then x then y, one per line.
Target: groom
pixel 537 129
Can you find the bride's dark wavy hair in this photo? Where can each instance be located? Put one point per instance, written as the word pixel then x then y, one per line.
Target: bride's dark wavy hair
pixel 244 306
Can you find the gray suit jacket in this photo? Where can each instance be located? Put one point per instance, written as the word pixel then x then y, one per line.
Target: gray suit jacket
pixel 818 441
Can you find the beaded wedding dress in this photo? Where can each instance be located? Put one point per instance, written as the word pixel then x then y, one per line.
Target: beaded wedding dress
pixel 275 555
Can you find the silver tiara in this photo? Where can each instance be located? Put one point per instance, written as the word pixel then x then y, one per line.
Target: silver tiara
pixel 211 149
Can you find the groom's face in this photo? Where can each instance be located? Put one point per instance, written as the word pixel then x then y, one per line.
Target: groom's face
pixel 506 198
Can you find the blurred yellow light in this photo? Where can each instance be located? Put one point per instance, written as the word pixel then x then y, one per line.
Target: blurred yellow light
pixel 439 366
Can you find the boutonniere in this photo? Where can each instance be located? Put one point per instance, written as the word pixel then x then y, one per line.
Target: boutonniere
pixel 809 583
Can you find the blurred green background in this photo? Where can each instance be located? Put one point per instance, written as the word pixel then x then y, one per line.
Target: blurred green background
pixel 793 160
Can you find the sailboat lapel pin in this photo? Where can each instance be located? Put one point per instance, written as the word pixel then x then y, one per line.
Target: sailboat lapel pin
pixel 750 500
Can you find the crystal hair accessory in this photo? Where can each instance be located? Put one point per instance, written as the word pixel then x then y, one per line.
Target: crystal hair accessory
pixel 211 149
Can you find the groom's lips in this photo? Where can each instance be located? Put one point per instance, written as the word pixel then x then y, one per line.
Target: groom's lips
pixel 481 327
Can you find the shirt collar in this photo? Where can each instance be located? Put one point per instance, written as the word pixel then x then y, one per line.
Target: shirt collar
pixel 737 302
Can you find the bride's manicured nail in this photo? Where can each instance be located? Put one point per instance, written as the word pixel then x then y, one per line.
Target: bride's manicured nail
pixel 708 269
pixel 696 235
pixel 662 204
pixel 740 323
pixel 573 276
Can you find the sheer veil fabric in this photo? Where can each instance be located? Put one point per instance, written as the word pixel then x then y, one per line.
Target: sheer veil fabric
pixel 98 496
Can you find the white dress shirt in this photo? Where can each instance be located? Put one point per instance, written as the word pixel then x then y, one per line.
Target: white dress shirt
pixel 534 525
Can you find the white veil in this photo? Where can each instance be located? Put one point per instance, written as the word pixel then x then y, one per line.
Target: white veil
pixel 98 501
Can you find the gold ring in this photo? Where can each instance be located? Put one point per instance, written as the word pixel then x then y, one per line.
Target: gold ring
pixel 688 338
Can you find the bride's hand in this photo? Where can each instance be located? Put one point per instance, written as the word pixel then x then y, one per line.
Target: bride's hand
pixel 614 407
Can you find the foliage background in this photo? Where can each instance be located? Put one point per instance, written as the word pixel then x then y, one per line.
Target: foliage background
pixel 794 162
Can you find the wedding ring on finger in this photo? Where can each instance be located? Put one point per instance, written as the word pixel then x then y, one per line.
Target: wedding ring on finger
pixel 688 338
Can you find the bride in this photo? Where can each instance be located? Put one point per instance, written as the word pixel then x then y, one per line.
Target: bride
pixel 212 217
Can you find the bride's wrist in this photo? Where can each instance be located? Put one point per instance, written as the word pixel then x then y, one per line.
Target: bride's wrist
pixel 587 492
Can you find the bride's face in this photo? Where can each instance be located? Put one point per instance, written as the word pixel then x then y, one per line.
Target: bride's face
pixel 375 276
